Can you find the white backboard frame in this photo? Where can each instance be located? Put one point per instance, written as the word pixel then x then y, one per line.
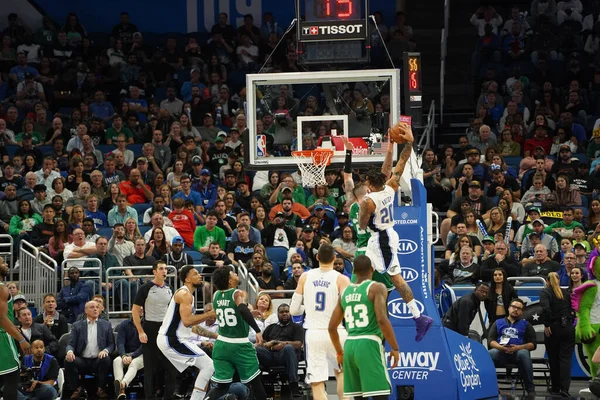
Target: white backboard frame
pixel 290 78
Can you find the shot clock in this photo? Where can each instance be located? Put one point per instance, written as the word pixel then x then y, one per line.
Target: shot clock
pixel 413 91
pixel 332 31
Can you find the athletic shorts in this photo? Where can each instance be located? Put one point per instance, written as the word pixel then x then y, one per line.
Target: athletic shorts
pixel 181 353
pixel 382 249
pixel 321 360
pixel 365 369
pixel 234 354
pixel 9 356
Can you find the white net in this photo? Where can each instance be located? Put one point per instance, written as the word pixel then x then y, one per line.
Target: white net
pixel 312 166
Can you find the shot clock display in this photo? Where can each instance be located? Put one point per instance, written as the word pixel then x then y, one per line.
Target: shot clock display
pixel 414 73
pixel 413 91
pixel 332 10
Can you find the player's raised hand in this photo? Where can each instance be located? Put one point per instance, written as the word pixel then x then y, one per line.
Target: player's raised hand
pixel 406 132
pixel 259 339
pixel 395 356
pixel 348 145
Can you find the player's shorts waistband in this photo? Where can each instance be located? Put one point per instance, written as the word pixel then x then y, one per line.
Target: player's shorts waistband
pixel 369 337
pixel 232 340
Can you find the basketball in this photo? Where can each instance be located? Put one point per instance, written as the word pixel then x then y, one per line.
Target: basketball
pixel 396 134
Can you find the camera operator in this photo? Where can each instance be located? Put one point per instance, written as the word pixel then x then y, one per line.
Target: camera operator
pixel 38 374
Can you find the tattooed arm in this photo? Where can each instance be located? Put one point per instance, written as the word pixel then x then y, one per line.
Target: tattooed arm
pixel 386 167
pixel 348 181
pixel 200 331
pixel 367 207
pixel 394 181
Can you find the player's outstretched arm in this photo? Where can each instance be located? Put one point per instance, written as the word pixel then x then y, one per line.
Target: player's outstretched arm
pixel 186 309
pixel 334 323
pixel 408 139
pixel 348 181
pixel 386 167
pixel 297 297
pixel 380 304
pixel 241 301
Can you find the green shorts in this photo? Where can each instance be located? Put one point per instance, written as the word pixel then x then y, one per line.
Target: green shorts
pixel 229 357
pixel 377 277
pixel 365 369
pixel 9 356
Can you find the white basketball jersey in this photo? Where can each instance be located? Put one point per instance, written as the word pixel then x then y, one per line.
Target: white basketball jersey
pixel 320 297
pixel 383 217
pixel 172 324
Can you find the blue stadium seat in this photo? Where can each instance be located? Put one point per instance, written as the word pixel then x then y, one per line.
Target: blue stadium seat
pixel 106 232
pixel 105 148
pixel 196 256
pixel 144 229
pixel 514 161
pixel 141 209
pixel 46 150
pixel 348 267
pixel 277 255
pixel 136 148
pixel 582 158
pixel 12 150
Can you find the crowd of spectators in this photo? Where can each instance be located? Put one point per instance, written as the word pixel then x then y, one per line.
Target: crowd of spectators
pixel 131 153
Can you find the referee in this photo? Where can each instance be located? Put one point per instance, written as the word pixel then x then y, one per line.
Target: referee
pixel 154 297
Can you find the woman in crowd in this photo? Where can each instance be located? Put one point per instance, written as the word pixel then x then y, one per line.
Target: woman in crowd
pixel 563 139
pixel 110 201
pixel 320 196
pixel 567 195
pixel 447 161
pixel 559 332
pixel 174 176
pixel 240 173
pixel 29 165
pixel 507 146
pixel 497 223
pixel 499 297
pixel 76 174
pixel 76 218
pixel 268 189
pixel 187 128
pixel 132 230
pixel 463 240
pixel 59 189
pixel 437 194
pixel 229 199
pixel 264 304
pixel 566 245
pixel 517 211
pixel 116 56
pixel 59 239
pixel 576 279
pixel 167 194
pixel 537 192
pixel 157 246
pixel 22 223
pixel 175 138
pixel 260 220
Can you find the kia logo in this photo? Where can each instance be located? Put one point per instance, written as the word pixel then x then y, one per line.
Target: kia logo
pixel 397 308
pixel 409 274
pixel 406 246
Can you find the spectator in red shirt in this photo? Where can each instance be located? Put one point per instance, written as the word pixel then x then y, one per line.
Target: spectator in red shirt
pixel 540 138
pixel 183 221
pixel 135 189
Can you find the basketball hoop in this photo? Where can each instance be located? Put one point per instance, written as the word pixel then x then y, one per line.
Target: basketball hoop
pixel 311 164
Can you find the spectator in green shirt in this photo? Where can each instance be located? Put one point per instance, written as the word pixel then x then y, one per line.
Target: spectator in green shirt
pixel 206 234
pixel 288 183
pixel 37 137
pixel 118 129
pixel 320 196
pixel 564 228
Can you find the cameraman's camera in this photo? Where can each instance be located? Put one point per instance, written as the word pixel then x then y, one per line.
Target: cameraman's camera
pixel 281 119
pixel 27 376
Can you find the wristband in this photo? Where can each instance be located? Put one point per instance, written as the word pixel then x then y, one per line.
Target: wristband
pixel 340 354
pixel 348 162
pixel 395 349
pixel 24 340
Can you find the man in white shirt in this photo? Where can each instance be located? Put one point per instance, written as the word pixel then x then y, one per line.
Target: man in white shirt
pixel 6 135
pixel 79 249
pixel 172 103
pixel 484 16
pixel 47 174
pixel 158 221
pixel 118 246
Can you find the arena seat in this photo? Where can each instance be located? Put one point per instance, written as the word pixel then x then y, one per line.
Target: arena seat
pixel 277 255
pixel 105 232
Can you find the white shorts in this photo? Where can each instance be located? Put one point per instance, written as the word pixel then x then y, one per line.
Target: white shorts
pixel 183 354
pixel 382 250
pixel 321 360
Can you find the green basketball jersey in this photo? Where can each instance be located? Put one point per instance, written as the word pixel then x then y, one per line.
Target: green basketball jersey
pixel 231 323
pixel 362 236
pixel 11 313
pixel 359 311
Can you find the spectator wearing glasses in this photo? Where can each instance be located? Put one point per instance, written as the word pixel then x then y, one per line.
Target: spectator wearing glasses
pixel 511 340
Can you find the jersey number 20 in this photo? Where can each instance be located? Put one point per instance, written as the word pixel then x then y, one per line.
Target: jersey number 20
pixel 356 316
pixel 226 317
pixel 386 214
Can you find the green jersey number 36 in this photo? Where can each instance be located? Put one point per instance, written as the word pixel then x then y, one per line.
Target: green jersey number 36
pixel 226 317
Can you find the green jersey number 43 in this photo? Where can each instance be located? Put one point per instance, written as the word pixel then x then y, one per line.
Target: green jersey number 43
pixel 357 316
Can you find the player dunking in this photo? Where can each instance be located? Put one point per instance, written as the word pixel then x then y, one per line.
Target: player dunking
pixel 377 213
pixel 319 289
pixel 355 195
pixel 9 357
pixel 363 305
pixel 232 350
pixel 176 330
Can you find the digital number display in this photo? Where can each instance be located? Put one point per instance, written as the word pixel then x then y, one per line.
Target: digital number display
pixel 414 74
pixel 332 10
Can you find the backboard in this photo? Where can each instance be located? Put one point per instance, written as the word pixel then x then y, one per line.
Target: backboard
pixel 300 110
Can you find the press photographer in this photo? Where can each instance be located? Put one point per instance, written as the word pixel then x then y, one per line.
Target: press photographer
pixel 39 373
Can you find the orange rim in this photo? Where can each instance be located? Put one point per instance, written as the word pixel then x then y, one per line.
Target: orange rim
pixel 319 156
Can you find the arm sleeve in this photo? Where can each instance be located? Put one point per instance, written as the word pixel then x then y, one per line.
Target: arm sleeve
pixel 247 315
pixel 296 304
